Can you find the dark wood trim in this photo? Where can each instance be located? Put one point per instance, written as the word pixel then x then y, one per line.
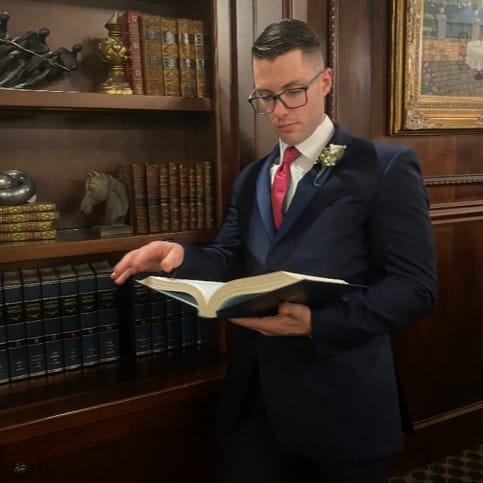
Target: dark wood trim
pixel 455 179
pixel 332 56
pixel 440 436
pixel 456 212
pixel 72 399
pixel 24 99
pixel 23 251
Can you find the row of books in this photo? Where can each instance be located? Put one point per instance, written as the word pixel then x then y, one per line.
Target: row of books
pixel 158 323
pixel 28 221
pixel 167 56
pixel 66 317
pixel 170 197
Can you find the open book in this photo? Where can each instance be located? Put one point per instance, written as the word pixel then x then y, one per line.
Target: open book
pixel 251 296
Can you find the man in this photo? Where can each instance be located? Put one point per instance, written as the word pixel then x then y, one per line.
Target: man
pixel 311 393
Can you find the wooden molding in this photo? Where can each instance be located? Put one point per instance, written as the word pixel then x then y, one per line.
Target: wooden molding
pixel 332 58
pixel 449 415
pixel 456 179
pixel 456 212
pixel 440 436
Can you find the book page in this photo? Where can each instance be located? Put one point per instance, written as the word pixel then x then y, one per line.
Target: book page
pixel 201 290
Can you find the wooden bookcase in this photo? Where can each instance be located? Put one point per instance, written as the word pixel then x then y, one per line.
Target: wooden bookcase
pixel 127 421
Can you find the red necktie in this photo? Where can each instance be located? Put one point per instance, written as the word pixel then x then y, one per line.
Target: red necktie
pixel 280 184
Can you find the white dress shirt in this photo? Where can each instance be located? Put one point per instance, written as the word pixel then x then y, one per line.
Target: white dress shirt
pixel 309 150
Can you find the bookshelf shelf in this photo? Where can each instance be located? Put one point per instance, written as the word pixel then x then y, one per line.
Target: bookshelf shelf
pixel 57 100
pixel 73 399
pixel 23 251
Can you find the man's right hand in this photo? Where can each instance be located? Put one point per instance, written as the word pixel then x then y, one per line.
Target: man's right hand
pixel 154 257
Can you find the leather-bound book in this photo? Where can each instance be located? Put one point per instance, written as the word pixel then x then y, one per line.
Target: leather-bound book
pixel 187 60
pixel 15 325
pixel 164 197
pixel 169 53
pixel 131 36
pixel 140 208
pixel 54 348
pixel 202 58
pixel 153 197
pixel 174 208
pixel 184 206
pixel 200 195
pixel 151 55
pixel 34 330
pixel 209 194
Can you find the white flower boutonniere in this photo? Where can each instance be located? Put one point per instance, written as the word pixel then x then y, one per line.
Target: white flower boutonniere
pixel 327 158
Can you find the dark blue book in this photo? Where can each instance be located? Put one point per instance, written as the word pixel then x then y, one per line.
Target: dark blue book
pixel 34 326
pixel 158 322
pixel 204 328
pixel 69 309
pixel 107 312
pixel 4 375
pixel 54 346
pixel 173 325
pixel 86 285
pixel 188 316
pixel 14 318
pixel 141 318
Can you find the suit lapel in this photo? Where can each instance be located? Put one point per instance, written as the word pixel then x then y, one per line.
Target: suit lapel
pixel 305 192
pixel 307 189
pixel 263 193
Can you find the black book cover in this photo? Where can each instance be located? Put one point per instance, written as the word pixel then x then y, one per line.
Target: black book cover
pixel 173 325
pixel 107 311
pixel 14 318
pixel 136 326
pixel 307 292
pixel 188 316
pixel 204 329
pixel 158 322
pixel 69 309
pixel 86 285
pixel 54 347
pixel 34 327
pixel 4 376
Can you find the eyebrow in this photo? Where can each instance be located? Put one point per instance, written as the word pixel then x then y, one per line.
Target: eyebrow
pixel 291 85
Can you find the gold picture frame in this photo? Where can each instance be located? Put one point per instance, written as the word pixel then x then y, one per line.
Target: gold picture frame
pixel 419 105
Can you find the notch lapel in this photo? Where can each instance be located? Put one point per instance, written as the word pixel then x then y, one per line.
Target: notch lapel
pixel 263 193
pixel 306 189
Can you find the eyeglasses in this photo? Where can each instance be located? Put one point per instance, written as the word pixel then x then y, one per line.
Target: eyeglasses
pixel 291 98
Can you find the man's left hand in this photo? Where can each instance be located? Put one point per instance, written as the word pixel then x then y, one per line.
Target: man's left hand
pixel 291 319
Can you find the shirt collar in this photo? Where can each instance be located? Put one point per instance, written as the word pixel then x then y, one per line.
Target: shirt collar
pixel 311 147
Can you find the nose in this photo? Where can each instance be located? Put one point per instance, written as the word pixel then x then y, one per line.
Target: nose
pixel 279 109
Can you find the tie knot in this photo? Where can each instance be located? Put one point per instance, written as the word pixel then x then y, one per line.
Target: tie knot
pixel 290 155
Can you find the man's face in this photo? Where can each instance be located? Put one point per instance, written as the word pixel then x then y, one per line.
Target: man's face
pixel 289 71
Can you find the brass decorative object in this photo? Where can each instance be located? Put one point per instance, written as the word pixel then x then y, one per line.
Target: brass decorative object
pixel 113 52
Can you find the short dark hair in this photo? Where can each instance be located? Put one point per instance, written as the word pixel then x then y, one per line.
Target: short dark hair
pixel 283 36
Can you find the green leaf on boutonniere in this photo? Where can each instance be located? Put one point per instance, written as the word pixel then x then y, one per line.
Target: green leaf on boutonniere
pixel 327 158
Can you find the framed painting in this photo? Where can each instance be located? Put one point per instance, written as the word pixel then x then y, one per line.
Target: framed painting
pixel 436 66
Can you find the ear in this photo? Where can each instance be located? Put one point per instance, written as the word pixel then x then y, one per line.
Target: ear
pixel 326 81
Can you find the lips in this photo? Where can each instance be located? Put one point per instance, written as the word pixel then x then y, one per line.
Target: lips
pixel 286 127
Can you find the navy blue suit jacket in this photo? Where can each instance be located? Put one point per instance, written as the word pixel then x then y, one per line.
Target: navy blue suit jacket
pixel 333 394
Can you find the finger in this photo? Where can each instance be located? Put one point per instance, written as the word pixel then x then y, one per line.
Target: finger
pixel 120 277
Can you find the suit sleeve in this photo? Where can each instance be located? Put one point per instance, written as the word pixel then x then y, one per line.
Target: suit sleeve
pixel 400 240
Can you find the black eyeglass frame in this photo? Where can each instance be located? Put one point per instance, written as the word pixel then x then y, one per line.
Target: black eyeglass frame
pixel 276 97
